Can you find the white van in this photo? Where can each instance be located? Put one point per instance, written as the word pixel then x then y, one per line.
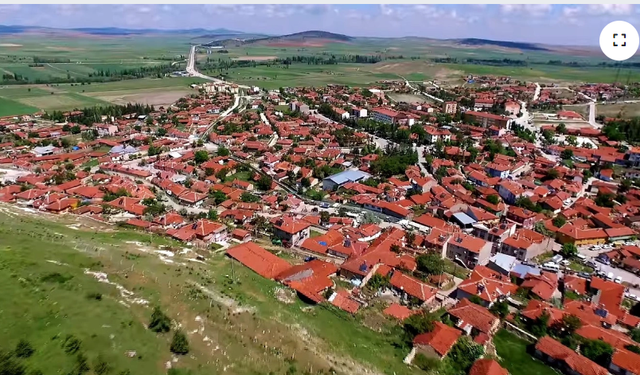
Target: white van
pixel 557 258
pixel 551 267
pixel 610 276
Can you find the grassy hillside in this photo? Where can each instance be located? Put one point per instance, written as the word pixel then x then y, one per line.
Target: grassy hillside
pixel 236 322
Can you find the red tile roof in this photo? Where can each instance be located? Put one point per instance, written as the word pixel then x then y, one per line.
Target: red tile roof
pixel 627 360
pixel 487 284
pixel 468 313
pixel 578 363
pixel 487 367
pixel 399 312
pixel 441 338
pixel 343 301
pixel 259 260
pixel 412 286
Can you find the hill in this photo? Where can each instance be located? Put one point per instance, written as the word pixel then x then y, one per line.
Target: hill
pixel 312 38
pixel 498 43
pixel 113 31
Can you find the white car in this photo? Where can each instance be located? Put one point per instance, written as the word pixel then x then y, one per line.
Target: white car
pixel 618 280
pixel 631 296
pixel 581 257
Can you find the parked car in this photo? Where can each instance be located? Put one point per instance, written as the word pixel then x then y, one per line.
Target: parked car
pixel 590 263
pixel 585 275
pixel 557 258
pixel 610 276
pixel 618 280
pixel 581 257
pixel 551 267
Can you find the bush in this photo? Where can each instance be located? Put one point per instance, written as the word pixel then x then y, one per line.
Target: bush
pixel 160 323
pixel 9 366
pixel 598 351
pixel 179 343
pixel 101 366
pixel 24 349
pixel 425 363
pixel 71 344
pixel 94 295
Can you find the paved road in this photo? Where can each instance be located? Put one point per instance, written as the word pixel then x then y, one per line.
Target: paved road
pixel 536 95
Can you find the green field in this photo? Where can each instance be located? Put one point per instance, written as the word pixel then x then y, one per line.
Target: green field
pixel 237 325
pixel 512 351
pixel 17 100
pixel 10 107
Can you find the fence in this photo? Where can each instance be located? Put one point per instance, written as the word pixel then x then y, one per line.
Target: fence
pixel 519 332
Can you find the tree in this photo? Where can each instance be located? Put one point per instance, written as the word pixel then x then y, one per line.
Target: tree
pixel 569 250
pixel 493 199
pixel 552 174
pixel 160 323
pixel 179 343
pixel 378 281
pixel 559 221
pixel 567 325
pixel 566 154
pixel 212 215
pixel 305 182
pixel 635 334
pixel 419 323
pixel 24 349
pixel 223 151
pixel 500 309
pixel 201 156
pixel 249 198
pixel 625 185
pixel 463 354
pixel 222 174
pixel 218 196
pixel 428 364
pixel 476 299
pixel 161 132
pixel 324 217
pixel 561 128
pixel 264 183
pixel 598 351
pixel 539 326
pixel 633 348
pixel 431 264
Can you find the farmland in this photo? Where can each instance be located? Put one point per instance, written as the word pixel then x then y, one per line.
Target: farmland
pixel 234 320
pixel 25 100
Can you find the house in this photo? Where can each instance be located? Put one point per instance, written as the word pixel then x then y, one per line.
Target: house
pixel 241 235
pixel 526 244
pixel 259 260
pixel 521 216
pixel 470 250
pixel 510 191
pixel 487 366
pixel 309 279
pixel 624 362
pixel 438 342
pixel 473 319
pixel 487 120
pixel 570 233
pixel 411 288
pixel 337 180
pixel 488 285
pixel 291 231
pixel 450 107
pixel 566 360
pixel 399 312
pixel 385 115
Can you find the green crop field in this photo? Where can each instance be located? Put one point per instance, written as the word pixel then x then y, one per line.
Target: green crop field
pixel 235 320
pixel 18 100
pixel 10 107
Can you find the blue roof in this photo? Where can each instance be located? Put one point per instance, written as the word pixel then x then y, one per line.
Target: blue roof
pixel 463 218
pixel 348 176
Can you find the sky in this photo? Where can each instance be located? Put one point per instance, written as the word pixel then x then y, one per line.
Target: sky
pixel 540 23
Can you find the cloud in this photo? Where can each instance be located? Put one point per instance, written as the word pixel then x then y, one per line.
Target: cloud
pixel 610 9
pixel 535 10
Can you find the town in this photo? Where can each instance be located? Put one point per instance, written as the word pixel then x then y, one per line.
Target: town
pixel 475 214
